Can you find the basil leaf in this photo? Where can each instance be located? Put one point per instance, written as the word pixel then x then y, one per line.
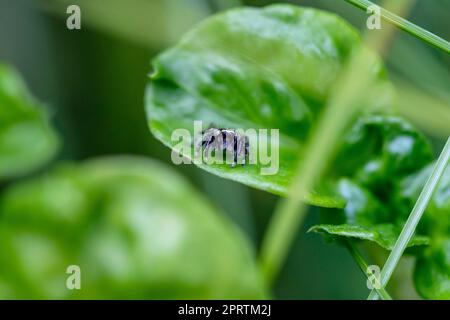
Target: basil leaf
pixel 432 271
pixel 436 217
pixel 380 150
pixel 27 140
pixel 384 235
pixel 377 154
pixel 257 68
pixel 135 228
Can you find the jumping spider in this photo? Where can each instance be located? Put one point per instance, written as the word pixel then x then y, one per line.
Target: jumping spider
pixel 225 141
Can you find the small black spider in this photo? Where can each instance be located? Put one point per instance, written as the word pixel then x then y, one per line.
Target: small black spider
pixel 226 141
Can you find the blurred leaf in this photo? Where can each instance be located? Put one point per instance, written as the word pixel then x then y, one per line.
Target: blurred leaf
pixel 432 271
pixel 428 112
pixel 136 229
pixel 26 139
pixel 256 68
pixel 430 74
pixel 384 235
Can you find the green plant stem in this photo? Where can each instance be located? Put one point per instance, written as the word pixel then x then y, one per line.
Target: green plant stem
pixel 414 218
pixel 363 266
pixel 406 25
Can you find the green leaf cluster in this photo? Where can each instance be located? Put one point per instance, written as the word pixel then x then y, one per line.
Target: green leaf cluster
pixel 376 156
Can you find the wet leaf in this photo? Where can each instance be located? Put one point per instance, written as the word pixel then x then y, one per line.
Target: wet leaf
pixel 269 68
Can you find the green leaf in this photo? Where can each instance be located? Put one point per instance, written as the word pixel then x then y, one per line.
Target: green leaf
pixel 362 207
pixel 436 217
pixel 384 235
pixel 254 68
pixel 432 271
pixel 377 154
pixel 380 150
pixel 26 139
pixel 135 228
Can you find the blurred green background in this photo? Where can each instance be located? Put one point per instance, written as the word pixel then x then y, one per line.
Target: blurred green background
pixel 92 81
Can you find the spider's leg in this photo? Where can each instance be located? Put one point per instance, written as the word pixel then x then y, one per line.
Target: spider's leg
pixel 247 149
pixel 235 153
pixel 241 149
pixel 200 143
pixel 225 145
pixel 206 151
pixel 244 151
pixel 238 148
pixel 224 140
